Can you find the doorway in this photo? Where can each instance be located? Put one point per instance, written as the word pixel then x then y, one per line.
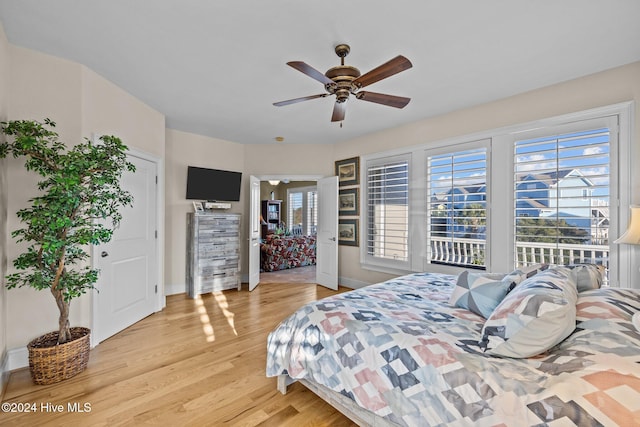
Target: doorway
pixel 289 210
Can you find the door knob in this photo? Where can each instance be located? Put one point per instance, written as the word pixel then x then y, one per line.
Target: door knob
pixel 104 254
pixel 333 239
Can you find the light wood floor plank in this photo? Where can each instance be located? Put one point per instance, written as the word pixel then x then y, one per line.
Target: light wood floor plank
pixel 197 363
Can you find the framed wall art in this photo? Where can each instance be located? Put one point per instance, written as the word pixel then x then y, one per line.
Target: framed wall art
pixel 197 207
pixel 348 232
pixel 348 171
pixel 348 202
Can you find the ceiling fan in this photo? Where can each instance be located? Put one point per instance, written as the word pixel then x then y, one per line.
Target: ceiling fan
pixel 345 80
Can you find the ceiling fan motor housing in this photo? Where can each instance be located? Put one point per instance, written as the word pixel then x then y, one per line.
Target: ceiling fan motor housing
pixel 342 75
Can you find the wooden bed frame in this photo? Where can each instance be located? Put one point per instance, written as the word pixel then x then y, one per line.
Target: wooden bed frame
pixel 360 416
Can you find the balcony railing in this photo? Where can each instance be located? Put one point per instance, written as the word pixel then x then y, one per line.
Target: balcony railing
pixel 471 252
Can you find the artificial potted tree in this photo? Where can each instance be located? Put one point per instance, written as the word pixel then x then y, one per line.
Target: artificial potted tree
pixel 78 205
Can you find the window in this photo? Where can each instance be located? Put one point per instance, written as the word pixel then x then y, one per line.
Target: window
pixel 312 212
pixel 456 207
pixel 564 217
pixel 302 212
pixel 553 190
pixel 387 203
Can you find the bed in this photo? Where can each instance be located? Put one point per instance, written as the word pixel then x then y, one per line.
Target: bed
pixel 400 353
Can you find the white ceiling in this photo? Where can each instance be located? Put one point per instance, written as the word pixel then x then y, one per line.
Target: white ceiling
pixel 214 67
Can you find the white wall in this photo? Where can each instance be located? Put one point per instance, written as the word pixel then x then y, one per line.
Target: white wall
pixel 81 103
pixel 182 150
pixel 41 86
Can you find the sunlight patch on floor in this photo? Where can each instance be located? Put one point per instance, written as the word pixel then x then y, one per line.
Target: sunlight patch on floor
pixel 207 327
pixel 224 306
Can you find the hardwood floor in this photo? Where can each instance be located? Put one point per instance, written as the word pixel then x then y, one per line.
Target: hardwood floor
pixel 197 363
pixel 306 274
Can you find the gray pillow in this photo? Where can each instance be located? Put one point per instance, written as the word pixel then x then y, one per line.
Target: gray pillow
pixel 587 276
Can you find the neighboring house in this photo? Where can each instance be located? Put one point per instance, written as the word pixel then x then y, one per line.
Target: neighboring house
pixel 565 194
pixel 469 203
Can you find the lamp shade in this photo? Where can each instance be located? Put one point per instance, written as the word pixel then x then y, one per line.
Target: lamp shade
pixel 632 235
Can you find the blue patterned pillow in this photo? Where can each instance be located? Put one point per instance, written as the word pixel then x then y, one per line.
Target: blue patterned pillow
pixel 538 314
pixel 480 293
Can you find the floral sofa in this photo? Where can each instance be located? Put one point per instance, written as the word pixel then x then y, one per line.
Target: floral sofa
pixel 282 252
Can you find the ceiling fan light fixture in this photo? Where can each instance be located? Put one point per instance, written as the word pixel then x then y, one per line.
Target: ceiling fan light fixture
pixel 344 80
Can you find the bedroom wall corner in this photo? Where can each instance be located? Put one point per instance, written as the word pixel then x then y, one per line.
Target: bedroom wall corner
pixel 185 149
pixel 41 86
pixel 4 81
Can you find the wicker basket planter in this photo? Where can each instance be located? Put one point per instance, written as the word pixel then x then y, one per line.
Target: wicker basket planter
pixel 50 362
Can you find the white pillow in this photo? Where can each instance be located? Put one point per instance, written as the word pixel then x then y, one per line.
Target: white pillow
pixel 538 314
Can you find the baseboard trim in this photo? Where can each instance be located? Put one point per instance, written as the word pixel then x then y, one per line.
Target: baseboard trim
pixel 4 374
pixel 17 358
pixel 175 288
pixel 352 283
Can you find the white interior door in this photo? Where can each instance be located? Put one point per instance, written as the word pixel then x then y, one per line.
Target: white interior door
pixel 254 233
pixel 127 284
pixel 327 237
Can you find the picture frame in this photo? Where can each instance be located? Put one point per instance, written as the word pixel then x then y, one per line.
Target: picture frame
pixel 348 171
pixel 197 207
pixel 348 232
pixel 348 203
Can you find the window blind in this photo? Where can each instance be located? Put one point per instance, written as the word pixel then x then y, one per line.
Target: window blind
pixel 295 210
pixel 456 207
pixel 562 198
pixel 387 210
pixel 312 212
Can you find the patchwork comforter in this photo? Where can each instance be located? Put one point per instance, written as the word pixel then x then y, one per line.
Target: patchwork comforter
pixel 401 351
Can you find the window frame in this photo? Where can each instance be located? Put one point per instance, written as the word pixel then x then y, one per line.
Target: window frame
pixel 501 256
pixel 367 260
pixel 610 122
pixel 453 149
pixel 305 206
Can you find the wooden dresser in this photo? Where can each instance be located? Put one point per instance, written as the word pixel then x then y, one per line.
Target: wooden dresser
pixel 213 252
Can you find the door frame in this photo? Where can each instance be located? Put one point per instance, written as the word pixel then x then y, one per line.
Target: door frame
pixel 161 300
pixel 279 177
pixel 327 233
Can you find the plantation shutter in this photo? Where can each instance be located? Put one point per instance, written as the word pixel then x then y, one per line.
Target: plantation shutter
pixel 312 212
pixel 295 210
pixel 387 210
pixel 562 198
pixel 456 207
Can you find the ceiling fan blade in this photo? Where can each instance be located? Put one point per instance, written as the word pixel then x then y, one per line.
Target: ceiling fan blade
pixel 338 111
pixel 384 99
pixel 388 69
pixel 296 100
pixel 310 71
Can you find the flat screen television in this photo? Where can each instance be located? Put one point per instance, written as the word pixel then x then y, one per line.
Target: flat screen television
pixel 213 184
